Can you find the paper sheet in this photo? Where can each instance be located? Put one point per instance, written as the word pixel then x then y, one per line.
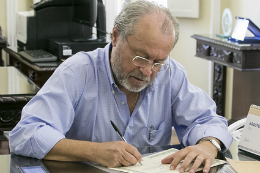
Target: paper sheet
pixel 244 166
pixel 152 164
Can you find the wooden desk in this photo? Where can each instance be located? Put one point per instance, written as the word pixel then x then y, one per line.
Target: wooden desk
pixel 37 74
pixel 245 60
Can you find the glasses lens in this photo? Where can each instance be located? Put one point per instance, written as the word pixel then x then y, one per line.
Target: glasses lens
pixel 162 67
pixel 157 67
pixel 139 61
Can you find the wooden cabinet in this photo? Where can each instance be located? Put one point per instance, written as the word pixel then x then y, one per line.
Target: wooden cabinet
pixel 245 60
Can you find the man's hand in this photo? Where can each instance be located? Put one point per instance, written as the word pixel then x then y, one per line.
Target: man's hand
pixel 117 153
pixel 202 153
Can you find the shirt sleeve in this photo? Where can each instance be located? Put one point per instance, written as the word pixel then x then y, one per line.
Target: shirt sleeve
pixel 194 113
pixel 48 116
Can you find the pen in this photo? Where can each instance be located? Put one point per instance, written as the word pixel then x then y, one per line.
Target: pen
pixel 118 132
pixel 150 132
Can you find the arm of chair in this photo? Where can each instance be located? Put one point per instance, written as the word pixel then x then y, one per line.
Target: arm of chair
pixel 236 125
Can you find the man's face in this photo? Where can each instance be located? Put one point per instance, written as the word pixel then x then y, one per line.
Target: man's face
pixel 148 42
pixel 130 78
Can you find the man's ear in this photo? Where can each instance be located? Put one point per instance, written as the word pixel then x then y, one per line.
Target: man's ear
pixel 115 36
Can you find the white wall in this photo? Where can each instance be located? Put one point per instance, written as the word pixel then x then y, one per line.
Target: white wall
pixel 197 68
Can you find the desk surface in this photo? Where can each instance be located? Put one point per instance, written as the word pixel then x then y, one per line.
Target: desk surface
pixel 13 82
pixel 11 163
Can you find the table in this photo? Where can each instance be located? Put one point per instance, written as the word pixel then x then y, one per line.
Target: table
pixel 38 75
pixel 244 59
pixel 15 91
pixel 11 163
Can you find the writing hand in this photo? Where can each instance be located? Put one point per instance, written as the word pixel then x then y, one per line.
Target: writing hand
pixel 117 153
pixel 202 153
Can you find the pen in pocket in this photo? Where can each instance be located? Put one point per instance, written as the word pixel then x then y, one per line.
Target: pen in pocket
pixel 150 132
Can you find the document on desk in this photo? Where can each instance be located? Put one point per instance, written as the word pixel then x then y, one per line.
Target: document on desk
pixel 152 164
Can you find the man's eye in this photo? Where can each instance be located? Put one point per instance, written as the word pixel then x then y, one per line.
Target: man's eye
pixel 161 62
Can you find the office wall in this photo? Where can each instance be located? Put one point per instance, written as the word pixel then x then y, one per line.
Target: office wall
pixel 197 68
pixel 3 16
pixel 24 5
pixel 3 20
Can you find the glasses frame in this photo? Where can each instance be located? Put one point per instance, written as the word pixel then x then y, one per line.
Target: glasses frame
pixel 147 60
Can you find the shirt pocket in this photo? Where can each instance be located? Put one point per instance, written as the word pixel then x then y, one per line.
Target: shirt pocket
pixel 159 136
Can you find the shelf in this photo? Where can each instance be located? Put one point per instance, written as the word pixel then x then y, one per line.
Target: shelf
pixel 242 57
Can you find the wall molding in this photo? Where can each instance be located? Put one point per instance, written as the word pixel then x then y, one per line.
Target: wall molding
pixel 215 7
pixel 11 9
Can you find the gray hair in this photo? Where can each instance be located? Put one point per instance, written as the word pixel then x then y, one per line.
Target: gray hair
pixel 133 12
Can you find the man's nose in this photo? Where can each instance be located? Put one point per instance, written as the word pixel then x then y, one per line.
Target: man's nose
pixel 147 70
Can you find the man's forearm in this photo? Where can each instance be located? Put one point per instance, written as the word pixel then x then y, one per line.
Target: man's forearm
pixel 72 150
pixel 110 154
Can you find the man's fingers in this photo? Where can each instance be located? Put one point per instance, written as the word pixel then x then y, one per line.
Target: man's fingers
pixel 124 161
pixel 132 158
pixel 177 158
pixel 198 161
pixel 167 159
pixel 187 161
pixel 193 157
pixel 207 165
pixel 117 153
pixel 132 155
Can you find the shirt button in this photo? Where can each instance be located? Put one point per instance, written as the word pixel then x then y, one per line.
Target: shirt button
pixel 123 103
pixel 127 127
pixel 113 92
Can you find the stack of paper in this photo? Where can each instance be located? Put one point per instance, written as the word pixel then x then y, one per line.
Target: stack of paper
pixel 152 164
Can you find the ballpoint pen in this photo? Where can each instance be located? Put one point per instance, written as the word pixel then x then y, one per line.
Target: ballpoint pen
pixel 119 134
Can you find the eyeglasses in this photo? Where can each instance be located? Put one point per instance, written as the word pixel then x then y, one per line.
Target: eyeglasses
pixel 143 62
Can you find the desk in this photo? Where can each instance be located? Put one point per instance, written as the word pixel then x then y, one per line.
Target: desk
pixel 15 91
pixel 245 60
pixel 10 163
pixel 38 75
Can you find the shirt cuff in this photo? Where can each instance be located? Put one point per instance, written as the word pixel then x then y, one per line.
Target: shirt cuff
pixel 210 131
pixel 44 140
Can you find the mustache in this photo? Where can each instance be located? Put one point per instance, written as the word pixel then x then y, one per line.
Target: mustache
pixel 141 77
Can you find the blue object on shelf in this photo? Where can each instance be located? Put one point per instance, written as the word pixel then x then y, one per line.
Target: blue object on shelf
pixel 248 40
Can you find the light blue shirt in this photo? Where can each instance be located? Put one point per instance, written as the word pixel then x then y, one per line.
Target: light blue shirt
pixel 81 97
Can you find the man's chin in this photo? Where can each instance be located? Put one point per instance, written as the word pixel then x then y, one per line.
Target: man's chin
pixel 136 88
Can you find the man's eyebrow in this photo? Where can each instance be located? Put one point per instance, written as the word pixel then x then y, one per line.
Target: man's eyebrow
pixel 162 59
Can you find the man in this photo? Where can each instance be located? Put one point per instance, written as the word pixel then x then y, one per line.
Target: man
pixel 134 83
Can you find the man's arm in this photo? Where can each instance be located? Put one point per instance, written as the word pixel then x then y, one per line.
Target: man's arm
pixel 110 154
pixel 202 153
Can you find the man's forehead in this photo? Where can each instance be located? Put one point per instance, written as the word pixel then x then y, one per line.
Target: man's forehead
pixel 150 27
